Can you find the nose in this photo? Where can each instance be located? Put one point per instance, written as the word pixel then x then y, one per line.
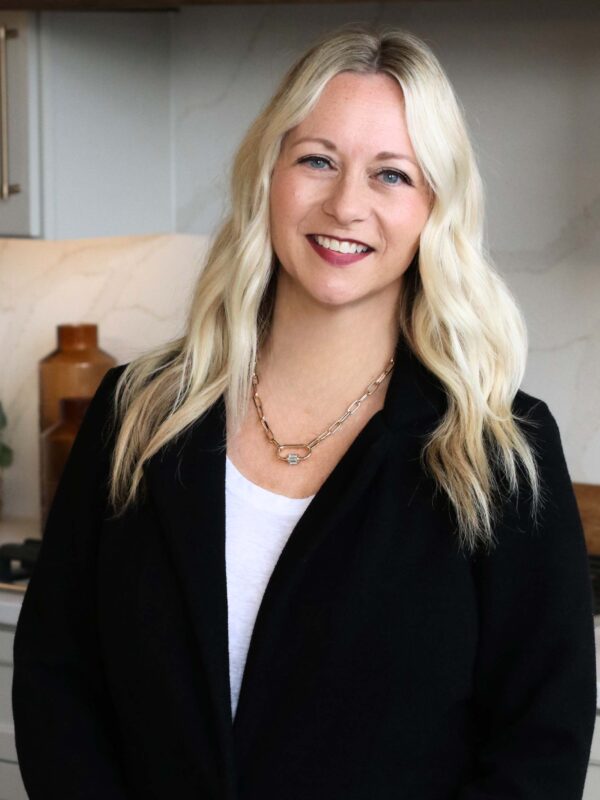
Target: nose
pixel 347 199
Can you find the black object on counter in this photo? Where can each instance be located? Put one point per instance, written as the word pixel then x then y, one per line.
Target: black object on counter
pixel 25 553
pixel 594 562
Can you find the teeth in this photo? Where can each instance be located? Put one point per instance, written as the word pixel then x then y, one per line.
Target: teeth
pixel 340 247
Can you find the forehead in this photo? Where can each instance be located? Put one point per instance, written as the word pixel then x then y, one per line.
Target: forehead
pixel 376 88
pixel 357 111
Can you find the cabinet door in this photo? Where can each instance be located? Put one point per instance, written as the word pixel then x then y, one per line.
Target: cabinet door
pixel 88 124
pixel 592 781
pixel 7 732
pixel 11 784
pixel 106 124
pixel 19 125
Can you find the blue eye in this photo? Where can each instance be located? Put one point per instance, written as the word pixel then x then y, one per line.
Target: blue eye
pixel 403 177
pixel 313 158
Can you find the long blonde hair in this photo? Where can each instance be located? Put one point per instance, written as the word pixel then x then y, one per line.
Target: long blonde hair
pixel 455 312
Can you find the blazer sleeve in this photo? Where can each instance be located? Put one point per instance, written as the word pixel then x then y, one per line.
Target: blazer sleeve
pixel 64 731
pixel 535 675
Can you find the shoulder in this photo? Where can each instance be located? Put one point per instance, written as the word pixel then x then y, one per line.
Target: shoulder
pixel 112 376
pixel 108 385
pixel 542 430
pixel 100 418
pixel 538 423
pixel 528 406
pixel 557 516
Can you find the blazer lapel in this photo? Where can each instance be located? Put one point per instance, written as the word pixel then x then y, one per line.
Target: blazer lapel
pixel 187 481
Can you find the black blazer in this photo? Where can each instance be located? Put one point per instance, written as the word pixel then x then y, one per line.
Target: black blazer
pixel 384 662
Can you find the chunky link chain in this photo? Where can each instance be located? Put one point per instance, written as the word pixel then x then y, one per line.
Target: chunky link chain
pixel 296 458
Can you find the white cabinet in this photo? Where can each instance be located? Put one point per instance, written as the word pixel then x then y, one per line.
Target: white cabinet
pixel 89 125
pixel 592 781
pixel 11 785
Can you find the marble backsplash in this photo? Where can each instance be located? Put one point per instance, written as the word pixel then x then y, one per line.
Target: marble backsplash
pixel 135 289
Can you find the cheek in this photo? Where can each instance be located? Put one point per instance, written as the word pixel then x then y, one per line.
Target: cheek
pixel 288 206
pixel 282 199
pixel 412 217
pixel 282 218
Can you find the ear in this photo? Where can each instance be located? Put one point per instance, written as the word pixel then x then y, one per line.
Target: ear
pixel 431 195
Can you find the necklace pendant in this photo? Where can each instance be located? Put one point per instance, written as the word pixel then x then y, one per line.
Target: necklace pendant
pixel 293 458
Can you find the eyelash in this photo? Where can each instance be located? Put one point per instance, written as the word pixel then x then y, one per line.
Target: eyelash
pixel 402 175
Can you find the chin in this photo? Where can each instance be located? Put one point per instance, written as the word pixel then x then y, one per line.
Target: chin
pixel 333 298
pixel 327 291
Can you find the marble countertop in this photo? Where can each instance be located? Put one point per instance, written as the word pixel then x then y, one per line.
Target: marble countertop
pixel 11 595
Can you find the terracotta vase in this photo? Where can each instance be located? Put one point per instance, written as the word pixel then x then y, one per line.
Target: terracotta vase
pixel 74 369
pixel 55 446
pixel 70 373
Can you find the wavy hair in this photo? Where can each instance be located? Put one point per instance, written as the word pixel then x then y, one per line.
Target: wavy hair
pixel 455 311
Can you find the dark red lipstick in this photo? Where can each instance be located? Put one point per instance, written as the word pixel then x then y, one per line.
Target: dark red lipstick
pixel 336 259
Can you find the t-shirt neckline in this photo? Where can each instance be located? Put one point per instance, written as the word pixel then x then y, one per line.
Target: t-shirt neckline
pixel 259 496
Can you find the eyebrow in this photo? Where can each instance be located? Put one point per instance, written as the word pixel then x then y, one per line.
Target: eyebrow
pixel 379 157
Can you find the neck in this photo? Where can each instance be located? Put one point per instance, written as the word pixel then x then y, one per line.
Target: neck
pixel 317 359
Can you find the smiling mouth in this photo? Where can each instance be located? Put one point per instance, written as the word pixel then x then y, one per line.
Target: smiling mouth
pixel 344 246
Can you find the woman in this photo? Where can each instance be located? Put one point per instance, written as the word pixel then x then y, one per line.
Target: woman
pixel 330 486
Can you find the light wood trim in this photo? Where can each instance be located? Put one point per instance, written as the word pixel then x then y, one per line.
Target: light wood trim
pixel 154 5
pixel 588 500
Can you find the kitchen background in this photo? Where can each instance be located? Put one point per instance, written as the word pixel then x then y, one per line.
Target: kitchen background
pixel 133 121
pixel 121 130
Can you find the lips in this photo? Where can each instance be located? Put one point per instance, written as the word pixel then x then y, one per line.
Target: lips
pixel 334 258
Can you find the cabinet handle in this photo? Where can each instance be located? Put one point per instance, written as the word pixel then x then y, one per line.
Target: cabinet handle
pixel 6 188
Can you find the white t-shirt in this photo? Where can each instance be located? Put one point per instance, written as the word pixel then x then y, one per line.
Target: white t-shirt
pixel 258 523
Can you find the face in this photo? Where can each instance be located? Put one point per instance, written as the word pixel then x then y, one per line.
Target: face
pixel 361 185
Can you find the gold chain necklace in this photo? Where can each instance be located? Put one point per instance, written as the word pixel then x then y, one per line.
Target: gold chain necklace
pixel 295 458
